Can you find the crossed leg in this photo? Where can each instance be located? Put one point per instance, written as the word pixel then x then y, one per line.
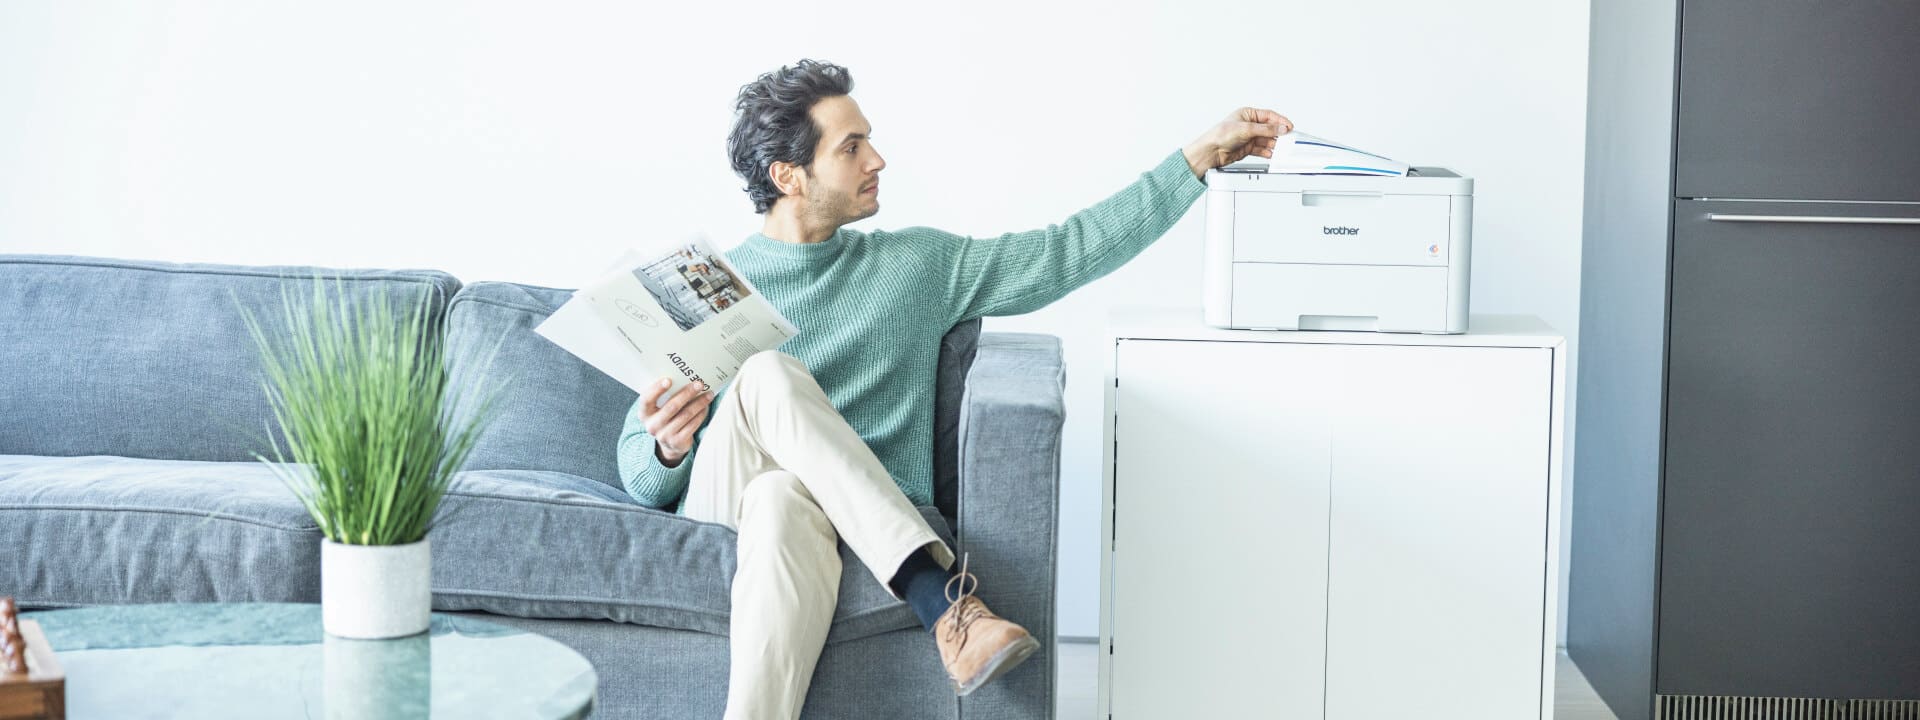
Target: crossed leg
pixel 780 465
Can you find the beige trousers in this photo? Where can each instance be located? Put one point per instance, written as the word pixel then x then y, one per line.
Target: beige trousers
pixel 781 466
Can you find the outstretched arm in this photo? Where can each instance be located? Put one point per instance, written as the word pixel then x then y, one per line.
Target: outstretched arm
pixel 1025 271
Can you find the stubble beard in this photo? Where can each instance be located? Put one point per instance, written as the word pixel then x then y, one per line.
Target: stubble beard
pixel 837 208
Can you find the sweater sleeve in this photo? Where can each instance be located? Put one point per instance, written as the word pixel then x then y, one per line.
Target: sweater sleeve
pixel 1021 272
pixel 649 482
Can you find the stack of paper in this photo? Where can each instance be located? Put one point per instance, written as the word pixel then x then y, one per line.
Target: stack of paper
pixel 1297 153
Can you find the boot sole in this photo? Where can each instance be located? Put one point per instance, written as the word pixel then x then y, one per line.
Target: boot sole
pixel 1008 658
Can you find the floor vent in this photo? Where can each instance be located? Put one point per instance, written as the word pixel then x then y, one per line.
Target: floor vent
pixel 1883 710
pixel 1714 707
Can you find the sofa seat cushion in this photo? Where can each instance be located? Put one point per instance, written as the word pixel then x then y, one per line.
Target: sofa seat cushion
pixel 100 530
pixel 108 530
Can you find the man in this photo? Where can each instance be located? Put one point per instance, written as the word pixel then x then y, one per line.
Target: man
pixel 832 438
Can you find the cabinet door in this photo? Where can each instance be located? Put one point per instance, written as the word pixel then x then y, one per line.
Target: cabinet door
pixel 1220 529
pixel 1791 100
pixel 1791 516
pixel 1438 553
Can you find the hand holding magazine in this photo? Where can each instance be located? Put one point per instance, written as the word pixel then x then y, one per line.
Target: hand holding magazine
pixel 684 314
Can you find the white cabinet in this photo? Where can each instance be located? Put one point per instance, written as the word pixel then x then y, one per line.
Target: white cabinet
pixel 1330 525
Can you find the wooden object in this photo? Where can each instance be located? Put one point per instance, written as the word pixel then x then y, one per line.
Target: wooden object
pixel 32 686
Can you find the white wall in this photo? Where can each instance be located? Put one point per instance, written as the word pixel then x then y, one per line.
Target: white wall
pixel 530 142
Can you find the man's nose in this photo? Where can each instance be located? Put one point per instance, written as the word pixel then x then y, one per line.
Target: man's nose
pixel 879 163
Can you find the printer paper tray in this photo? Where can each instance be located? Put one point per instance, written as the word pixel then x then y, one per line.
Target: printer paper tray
pixel 1389 298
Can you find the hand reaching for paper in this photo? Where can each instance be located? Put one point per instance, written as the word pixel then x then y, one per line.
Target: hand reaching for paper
pixel 673 424
pixel 1248 131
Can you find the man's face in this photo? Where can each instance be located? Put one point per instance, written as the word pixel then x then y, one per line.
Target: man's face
pixel 843 183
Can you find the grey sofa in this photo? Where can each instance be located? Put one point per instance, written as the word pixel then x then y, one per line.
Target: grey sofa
pixel 130 407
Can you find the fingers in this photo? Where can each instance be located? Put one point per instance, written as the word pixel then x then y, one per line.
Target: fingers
pixel 652 395
pixel 682 427
pixel 1265 117
pixel 1255 130
pixel 1249 138
pixel 672 408
pixel 680 430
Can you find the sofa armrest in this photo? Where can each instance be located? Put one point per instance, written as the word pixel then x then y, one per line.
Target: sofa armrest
pixel 1008 509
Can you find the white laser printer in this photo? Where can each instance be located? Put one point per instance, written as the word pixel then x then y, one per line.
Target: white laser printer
pixel 1292 251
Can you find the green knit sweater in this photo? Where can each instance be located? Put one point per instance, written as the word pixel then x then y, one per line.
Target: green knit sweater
pixel 871 309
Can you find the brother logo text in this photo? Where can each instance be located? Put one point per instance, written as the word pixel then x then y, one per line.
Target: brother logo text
pixel 1339 230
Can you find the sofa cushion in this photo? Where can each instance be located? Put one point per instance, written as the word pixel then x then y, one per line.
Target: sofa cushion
pixel 109 530
pixel 555 411
pixel 587 552
pixel 149 359
pixel 103 530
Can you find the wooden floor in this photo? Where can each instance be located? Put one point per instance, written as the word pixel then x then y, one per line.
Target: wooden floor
pixel 1078 667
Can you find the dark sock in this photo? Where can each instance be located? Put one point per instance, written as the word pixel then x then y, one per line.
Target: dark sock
pixel 924 584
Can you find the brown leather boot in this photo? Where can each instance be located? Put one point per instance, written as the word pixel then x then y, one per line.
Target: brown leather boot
pixel 976 645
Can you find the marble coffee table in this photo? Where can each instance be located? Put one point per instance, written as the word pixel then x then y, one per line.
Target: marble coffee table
pixel 268 660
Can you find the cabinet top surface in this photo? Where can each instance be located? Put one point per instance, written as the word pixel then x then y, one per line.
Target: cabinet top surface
pixel 1186 323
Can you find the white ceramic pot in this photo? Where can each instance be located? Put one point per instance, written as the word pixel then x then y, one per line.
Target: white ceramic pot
pixel 375 591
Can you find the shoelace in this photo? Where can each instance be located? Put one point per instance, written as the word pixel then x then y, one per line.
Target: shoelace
pixel 968 612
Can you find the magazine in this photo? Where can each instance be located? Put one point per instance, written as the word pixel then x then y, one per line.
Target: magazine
pixel 684 313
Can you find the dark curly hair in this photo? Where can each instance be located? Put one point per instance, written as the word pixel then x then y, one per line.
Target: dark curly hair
pixel 772 124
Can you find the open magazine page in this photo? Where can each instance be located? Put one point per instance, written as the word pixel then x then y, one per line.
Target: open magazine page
pixel 684 314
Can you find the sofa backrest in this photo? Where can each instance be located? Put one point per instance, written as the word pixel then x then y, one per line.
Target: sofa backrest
pixel 555 412
pixel 150 359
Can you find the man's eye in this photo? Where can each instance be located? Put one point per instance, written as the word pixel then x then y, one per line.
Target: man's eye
pixel 851 148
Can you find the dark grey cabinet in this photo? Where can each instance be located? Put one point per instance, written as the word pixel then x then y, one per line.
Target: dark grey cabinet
pixel 1746 510
pixel 1792 473
pixel 1795 99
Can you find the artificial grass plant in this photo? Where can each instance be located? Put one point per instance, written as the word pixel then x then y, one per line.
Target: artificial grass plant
pixel 373 427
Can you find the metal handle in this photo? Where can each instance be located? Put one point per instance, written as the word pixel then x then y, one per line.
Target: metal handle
pixel 1821 219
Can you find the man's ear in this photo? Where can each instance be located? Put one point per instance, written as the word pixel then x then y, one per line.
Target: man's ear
pixel 786 177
